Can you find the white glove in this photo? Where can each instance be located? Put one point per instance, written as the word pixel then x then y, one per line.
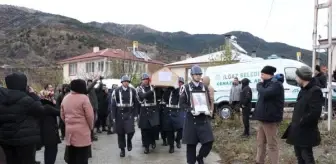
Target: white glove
pixel 195 113
pixel 207 113
pixel 113 120
pixel 135 118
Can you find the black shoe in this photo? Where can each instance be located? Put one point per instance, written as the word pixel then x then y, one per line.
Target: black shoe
pixel 154 145
pixel 245 135
pixel 99 131
pixel 146 150
pixel 94 138
pixel 37 162
pixel 199 160
pixel 109 132
pixel 104 130
pixel 122 153
pixel 171 149
pixel 178 144
pixel 164 143
pixel 129 146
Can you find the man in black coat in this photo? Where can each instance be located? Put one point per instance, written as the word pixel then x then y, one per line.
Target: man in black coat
pixel 171 117
pixel 197 126
pixel 102 95
pixel 149 114
pixel 303 131
pixel 19 115
pixel 64 92
pixel 246 105
pixel 124 113
pixel 320 77
pixel 269 113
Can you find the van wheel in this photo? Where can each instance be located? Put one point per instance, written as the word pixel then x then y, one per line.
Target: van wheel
pixel 225 112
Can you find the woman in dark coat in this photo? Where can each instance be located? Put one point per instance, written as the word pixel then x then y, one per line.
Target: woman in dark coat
pixel 49 133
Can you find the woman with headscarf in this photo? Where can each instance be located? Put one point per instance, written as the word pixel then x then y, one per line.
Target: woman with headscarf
pixel 77 113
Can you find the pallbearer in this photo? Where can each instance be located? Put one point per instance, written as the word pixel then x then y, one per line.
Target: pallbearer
pixel 149 117
pixel 124 113
pixel 197 126
pixel 172 120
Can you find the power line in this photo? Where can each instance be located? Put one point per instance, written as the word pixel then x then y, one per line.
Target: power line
pixel 269 15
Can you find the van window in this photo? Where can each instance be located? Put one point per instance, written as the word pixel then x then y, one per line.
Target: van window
pixel 290 75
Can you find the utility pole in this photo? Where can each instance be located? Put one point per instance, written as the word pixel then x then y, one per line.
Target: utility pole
pixel 328 45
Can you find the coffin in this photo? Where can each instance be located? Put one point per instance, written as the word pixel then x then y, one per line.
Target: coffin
pixel 165 78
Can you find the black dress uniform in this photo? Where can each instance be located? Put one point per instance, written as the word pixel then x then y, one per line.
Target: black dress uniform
pixel 171 120
pixel 197 129
pixel 162 105
pixel 124 112
pixel 149 116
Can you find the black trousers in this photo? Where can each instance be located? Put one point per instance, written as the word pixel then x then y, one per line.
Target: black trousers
pixel 122 140
pixel 50 154
pixel 78 155
pixel 62 127
pixel 171 137
pixel 148 136
pixel 304 155
pixel 246 120
pixel 19 154
pixel 101 121
pixel 163 135
pixel 203 152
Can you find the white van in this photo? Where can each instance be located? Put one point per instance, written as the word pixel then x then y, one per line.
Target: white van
pixel 222 77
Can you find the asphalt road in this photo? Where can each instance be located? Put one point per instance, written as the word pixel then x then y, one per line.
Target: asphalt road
pixel 106 151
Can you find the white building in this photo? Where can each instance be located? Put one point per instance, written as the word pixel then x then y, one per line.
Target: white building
pixel 182 68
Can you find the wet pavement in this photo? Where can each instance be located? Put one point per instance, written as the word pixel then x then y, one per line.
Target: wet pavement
pixel 106 151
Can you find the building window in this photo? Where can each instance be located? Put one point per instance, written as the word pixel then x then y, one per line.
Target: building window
pixel 101 66
pixel 72 69
pixel 90 67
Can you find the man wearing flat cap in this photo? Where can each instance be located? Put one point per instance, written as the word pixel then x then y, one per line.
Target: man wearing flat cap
pixel 269 113
pixel 303 131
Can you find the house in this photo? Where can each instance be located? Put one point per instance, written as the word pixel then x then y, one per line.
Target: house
pixel 110 63
pixel 182 68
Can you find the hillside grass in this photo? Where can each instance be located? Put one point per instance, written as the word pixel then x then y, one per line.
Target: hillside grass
pixel 234 149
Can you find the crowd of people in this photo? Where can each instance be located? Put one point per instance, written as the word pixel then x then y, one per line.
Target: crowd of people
pixel 30 120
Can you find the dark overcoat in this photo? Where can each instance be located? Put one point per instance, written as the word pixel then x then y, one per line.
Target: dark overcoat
pixel 303 130
pixel 124 109
pixel 171 114
pixel 196 129
pixel 149 113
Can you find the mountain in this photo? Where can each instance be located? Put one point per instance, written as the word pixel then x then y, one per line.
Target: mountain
pixel 202 43
pixel 33 38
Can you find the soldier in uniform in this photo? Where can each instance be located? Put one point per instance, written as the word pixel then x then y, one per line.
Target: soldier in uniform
pixel 197 126
pixel 162 105
pixel 149 116
pixel 124 113
pixel 172 121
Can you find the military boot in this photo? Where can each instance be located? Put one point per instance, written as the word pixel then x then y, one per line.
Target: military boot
pixel 122 153
pixel 146 151
pixel 171 149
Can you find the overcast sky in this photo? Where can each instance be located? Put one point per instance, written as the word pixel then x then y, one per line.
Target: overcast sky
pixel 291 21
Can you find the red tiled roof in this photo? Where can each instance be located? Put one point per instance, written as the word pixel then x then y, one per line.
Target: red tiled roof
pixel 110 53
